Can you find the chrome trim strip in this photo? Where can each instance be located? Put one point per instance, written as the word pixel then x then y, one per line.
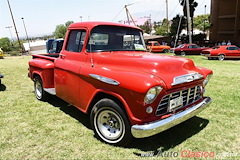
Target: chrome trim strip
pixel 186 78
pixel 104 79
pixel 51 91
pixel 149 129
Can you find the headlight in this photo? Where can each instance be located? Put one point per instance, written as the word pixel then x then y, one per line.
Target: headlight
pixel 152 94
pixel 205 82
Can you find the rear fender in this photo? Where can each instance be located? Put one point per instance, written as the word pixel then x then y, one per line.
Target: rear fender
pixel 44 69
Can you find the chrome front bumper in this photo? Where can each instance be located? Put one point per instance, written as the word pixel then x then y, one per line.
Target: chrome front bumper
pixel 149 129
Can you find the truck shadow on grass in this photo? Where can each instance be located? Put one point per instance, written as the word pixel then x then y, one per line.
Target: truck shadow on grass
pixel 70 110
pixel 164 141
pixel 171 137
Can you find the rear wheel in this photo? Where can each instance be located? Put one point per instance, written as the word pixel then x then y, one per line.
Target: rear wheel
pixel 38 89
pixel 165 51
pixel 110 123
pixel 221 57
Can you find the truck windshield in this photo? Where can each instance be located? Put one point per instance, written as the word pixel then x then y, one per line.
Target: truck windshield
pixel 115 38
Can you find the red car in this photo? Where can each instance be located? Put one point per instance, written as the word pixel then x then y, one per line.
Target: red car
pixel 222 52
pixel 185 49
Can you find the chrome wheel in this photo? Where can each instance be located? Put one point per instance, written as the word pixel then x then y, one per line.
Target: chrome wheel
pixel 38 89
pixel 221 57
pixel 109 125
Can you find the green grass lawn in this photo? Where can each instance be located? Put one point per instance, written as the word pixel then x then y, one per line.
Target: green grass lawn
pixel 31 129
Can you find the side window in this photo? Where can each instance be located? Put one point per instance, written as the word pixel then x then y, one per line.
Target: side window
pixel 232 48
pixel 195 46
pixel 76 41
pixel 54 46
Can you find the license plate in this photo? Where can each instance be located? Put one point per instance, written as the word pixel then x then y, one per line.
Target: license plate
pixel 175 103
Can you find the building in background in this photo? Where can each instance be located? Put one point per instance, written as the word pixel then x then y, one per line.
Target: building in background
pixel 225 20
pixel 138 21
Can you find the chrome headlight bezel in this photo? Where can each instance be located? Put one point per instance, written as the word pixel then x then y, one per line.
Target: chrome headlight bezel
pixel 206 80
pixel 152 94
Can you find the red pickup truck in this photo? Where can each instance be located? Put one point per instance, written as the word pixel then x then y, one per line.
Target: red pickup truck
pixel 105 70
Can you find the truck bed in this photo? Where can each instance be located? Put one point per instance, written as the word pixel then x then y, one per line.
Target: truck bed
pixel 50 57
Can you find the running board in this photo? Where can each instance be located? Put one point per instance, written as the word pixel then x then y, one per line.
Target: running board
pixel 51 91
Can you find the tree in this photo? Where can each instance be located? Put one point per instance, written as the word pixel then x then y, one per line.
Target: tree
pixel 61 29
pixel 68 23
pixel 202 22
pixel 147 27
pixel 161 28
pixel 5 44
pixel 175 24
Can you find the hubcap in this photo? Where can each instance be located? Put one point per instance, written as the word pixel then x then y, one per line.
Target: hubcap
pixel 183 54
pixel 221 57
pixel 109 125
pixel 38 89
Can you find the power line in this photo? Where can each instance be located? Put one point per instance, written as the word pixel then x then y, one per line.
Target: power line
pixel 178 4
pixel 118 14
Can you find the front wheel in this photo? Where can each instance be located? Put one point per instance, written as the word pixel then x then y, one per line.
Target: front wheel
pixel 110 123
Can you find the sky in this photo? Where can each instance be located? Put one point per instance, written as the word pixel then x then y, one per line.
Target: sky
pixel 42 16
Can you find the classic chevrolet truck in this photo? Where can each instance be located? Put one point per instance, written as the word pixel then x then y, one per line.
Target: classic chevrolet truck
pixel 105 71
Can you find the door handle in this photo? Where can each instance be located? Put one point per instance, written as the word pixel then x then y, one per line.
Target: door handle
pixel 62 56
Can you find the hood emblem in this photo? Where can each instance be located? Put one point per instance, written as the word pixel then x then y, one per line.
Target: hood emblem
pixel 186 78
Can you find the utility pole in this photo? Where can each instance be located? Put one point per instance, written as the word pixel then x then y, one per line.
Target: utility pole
pixel 189 22
pixel 15 27
pixel 128 14
pixel 26 34
pixel 10 32
pixel 167 16
pixel 204 25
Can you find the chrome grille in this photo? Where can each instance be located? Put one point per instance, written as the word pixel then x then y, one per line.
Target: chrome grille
pixel 189 96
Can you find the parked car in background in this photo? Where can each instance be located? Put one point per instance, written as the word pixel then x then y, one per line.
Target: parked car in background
pixel 54 46
pixel 1 53
pixel 188 49
pixel 222 52
pixel 1 76
pixel 154 46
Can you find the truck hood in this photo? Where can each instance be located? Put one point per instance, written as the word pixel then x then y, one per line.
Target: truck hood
pixel 164 67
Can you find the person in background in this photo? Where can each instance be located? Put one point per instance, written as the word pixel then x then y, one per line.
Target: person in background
pixel 229 43
pixel 223 43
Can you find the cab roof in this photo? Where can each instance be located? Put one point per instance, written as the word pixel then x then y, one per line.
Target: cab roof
pixel 91 25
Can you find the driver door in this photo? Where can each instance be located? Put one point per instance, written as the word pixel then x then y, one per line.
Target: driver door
pixel 67 67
